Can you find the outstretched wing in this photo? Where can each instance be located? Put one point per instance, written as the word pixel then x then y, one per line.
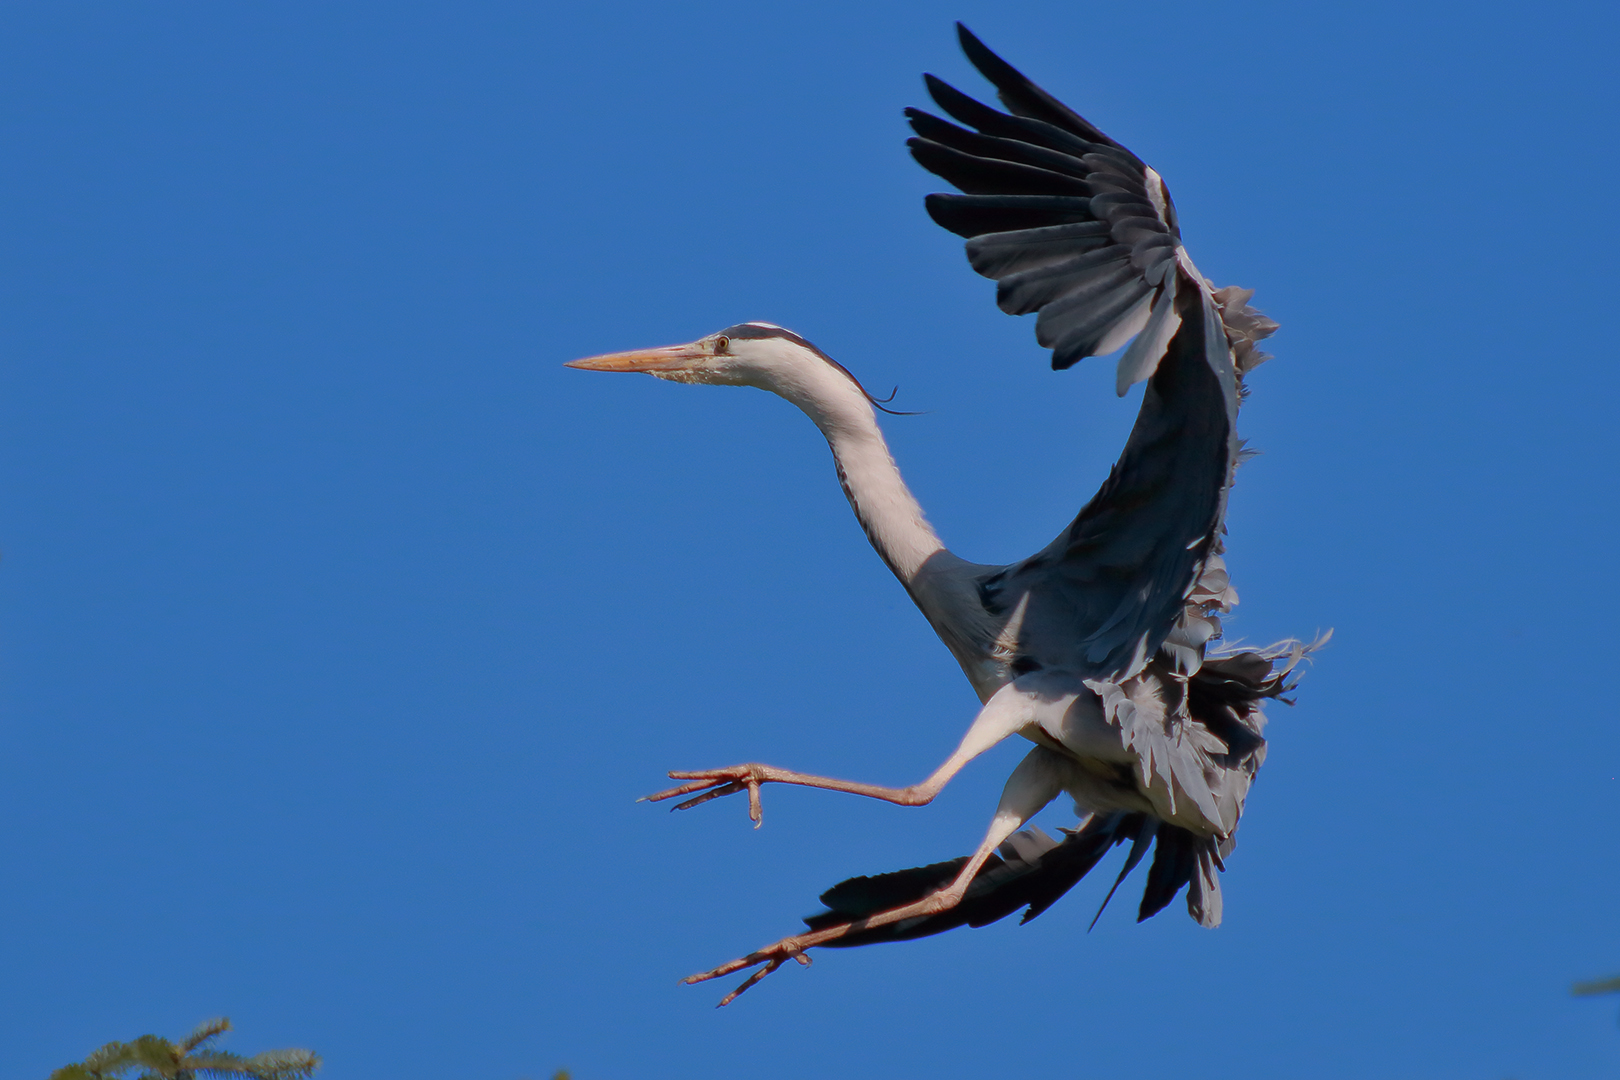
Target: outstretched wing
pixel 1076 228
pixel 1069 223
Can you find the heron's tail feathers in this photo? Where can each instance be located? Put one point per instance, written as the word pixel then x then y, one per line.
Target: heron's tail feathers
pixel 1181 857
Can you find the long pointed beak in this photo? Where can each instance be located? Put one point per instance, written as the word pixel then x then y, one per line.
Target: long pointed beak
pixel 668 358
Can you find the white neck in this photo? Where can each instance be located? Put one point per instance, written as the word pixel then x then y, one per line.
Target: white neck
pixel 882 503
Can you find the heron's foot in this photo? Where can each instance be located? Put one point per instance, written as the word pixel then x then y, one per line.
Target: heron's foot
pixel 771 957
pixel 776 954
pixel 714 783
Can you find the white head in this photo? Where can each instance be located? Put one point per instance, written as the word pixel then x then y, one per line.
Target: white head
pixel 778 360
pixel 749 354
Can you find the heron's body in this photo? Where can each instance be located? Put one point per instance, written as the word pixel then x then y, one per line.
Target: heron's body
pixel 1094 648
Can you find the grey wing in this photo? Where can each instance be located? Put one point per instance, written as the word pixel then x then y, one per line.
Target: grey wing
pixel 1069 223
pixel 1075 227
pixel 1102 598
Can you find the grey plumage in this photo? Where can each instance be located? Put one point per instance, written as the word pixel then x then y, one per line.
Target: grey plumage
pixel 1101 598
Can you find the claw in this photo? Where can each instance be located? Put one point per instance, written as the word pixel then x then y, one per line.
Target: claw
pixel 726 969
pixel 684 789
pixel 715 793
pixel 719 783
pixel 771 964
pixel 748 982
pixel 776 954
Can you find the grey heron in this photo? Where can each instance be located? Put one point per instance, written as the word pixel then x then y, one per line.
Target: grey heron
pixel 1097 648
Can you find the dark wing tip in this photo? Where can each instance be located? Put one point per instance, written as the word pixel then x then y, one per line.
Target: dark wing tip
pixel 969 40
pixel 1021 95
pixel 991 66
pixel 941 208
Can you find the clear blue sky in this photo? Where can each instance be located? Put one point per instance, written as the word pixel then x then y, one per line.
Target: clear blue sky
pixel 343 625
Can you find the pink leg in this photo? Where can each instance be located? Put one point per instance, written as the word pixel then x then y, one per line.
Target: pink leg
pixel 749 777
pixel 1036 782
pixel 1004 714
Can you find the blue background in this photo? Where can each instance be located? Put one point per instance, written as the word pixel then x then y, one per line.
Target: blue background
pixel 344 626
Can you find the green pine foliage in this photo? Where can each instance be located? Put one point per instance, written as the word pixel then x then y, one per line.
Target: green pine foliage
pixel 193 1058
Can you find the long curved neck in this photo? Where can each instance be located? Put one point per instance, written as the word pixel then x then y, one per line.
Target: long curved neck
pixel 882 503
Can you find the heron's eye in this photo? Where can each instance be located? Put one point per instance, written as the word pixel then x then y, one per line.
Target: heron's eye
pixel 721 344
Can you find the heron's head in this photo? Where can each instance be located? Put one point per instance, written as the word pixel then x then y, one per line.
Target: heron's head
pixel 754 354
pixel 748 354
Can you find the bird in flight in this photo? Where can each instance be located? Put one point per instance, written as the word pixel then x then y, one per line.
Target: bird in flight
pixel 1097 648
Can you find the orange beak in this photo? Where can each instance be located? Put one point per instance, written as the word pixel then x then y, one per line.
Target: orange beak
pixel 651 361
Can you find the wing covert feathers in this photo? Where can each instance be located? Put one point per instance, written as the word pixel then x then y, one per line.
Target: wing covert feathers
pixel 1103 597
